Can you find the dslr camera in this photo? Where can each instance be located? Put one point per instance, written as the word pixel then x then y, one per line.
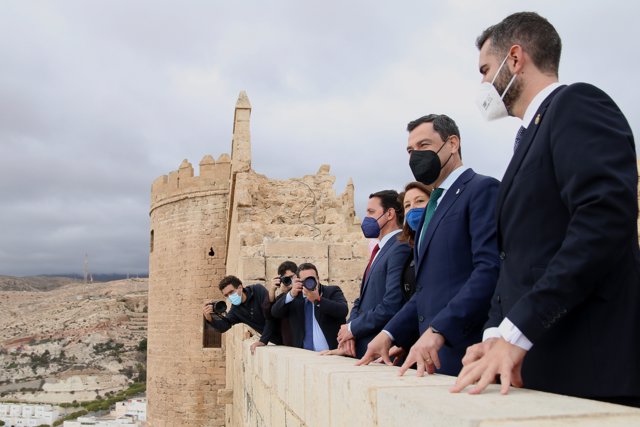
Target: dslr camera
pixel 285 280
pixel 219 307
pixel 310 283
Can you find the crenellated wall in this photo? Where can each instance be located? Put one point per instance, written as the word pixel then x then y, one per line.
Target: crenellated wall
pixel 283 386
pixel 229 219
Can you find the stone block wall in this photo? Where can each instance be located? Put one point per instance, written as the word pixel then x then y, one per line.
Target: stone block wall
pixel 252 224
pixel 281 386
pixel 188 219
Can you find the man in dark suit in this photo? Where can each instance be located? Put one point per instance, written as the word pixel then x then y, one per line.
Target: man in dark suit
pixel 381 289
pixel 456 256
pixel 565 317
pixel 315 311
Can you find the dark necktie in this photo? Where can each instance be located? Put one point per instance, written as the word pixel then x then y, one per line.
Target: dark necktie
pixel 431 208
pixel 375 250
pixel 307 343
pixel 518 138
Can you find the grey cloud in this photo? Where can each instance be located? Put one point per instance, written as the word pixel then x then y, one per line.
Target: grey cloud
pixel 98 99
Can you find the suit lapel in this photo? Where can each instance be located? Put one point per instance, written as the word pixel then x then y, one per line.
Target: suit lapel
pixel 382 254
pixel 444 205
pixel 521 152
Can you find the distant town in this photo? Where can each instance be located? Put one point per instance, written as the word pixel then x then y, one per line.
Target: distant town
pixel 73 350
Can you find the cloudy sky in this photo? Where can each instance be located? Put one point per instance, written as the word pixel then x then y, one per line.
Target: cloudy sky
pixel 98 98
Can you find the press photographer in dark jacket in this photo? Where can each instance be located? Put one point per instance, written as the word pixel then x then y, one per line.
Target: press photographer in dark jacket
pixel 249 305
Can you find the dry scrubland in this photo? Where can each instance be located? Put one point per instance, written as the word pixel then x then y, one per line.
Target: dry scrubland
pixel 62 340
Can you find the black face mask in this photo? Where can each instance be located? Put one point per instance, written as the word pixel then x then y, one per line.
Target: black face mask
pixel 426 166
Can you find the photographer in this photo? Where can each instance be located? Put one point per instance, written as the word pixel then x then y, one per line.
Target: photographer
pixel 315 311
pixel 280 286
pixel 249 305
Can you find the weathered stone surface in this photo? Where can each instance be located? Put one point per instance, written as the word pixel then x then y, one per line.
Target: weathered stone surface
pixel 252 223
pixel 332 391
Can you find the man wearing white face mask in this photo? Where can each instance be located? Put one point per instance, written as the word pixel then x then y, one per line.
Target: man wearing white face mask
pixel 565 316
pixel 249 305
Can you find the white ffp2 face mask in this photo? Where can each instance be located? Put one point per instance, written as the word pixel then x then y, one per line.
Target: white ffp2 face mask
pixel 489 101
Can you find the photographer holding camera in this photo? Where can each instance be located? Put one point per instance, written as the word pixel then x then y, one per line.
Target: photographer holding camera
pixel 315 311
pixel 249 305
pixel 280 286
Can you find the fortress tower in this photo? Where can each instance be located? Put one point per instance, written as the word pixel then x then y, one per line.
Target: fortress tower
pixel 230 220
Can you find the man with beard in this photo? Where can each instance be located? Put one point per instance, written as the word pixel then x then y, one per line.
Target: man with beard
pixel 565 317
pixel 456 256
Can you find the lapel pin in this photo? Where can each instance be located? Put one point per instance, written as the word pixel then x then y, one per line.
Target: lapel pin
pixel 457 191
pixel 537 119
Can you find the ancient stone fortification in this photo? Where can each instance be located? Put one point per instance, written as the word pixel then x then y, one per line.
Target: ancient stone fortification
pixel 231 220
pixel 284 386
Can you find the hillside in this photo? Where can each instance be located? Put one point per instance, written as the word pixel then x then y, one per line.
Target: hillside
pixel 62 340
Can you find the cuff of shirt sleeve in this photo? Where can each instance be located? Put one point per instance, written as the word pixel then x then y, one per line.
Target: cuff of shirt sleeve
pixel 491 333
pixel 288 298
pixel 349 328
pixel 513 335
pixel 388 334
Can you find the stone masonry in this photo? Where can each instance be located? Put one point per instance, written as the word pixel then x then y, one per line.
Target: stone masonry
pixel 231 220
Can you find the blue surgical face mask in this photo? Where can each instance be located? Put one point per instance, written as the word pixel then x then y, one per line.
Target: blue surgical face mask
pixel 413 217
pixel 370 227
pixel 235 299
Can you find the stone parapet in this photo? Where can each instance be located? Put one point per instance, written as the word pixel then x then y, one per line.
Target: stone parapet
pixel 293 387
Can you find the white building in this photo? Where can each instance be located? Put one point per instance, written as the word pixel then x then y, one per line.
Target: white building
pixel 27 415
pixel 136 408
pixel 102 422
pixel 128 413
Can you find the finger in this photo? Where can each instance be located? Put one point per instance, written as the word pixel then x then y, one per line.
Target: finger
pixel 516 379
pixel 385 358
pixel 407 364
pixel 422 365
pixel 324 352
pixel 471 355
pixel 487 377
pixel 431 369
pixel 505 382
pixel 435 359
pixel 366 359
pixel 465 378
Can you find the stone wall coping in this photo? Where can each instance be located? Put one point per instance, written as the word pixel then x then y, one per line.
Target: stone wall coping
pixel 331 391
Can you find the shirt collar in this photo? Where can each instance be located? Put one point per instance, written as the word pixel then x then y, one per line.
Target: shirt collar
pixel 388 236
pixel 536 102
pixel 455 174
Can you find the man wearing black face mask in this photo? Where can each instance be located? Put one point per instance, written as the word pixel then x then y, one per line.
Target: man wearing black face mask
pixel 456 256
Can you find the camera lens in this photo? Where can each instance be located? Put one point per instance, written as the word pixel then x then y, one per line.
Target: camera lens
pixel 219 307
pixel 285 280
pixel 310 283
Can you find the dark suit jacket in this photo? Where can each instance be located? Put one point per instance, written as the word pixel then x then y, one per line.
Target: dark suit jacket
pixel 456 271
pixel 567 231
pixel 380 294
pixel 330 313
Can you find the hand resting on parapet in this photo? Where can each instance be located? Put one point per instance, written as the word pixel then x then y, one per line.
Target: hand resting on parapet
pixel 396 354
pixel 377 348
pixel 346 348
pixel 256 345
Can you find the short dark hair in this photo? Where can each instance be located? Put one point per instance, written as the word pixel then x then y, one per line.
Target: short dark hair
pixel 307 266
pixel 531 31
pixel 229 280
pixel 287 265
pixel 443 124
pixel 389 200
